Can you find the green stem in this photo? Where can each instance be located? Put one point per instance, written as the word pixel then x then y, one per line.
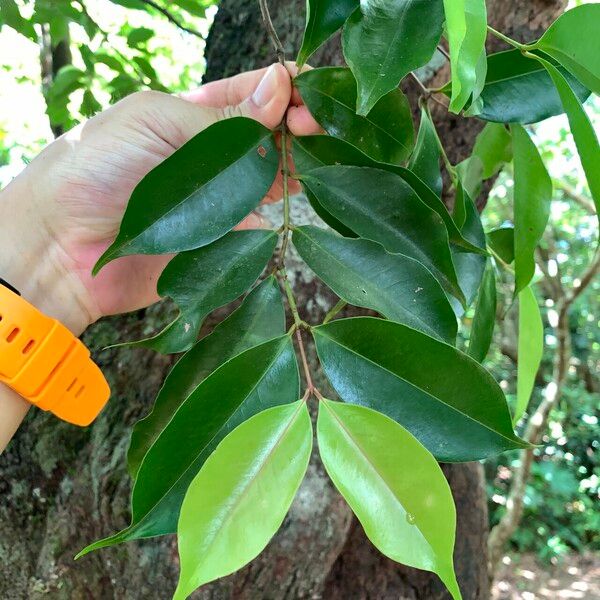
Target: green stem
pixel 341 304
pixel 449 167
pixel 506 39
pixel 291 300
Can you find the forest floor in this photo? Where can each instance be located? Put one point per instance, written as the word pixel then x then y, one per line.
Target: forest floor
pixel 574 577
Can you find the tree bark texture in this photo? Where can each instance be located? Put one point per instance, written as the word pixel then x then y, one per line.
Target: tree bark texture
pixel 62 487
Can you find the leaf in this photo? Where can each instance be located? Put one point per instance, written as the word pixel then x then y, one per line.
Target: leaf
pixel 582 130
pixel 384 40
pixel 482 328
pixel 362 273
pixel 386 134
pixel 323 19
pixel 201 280
pixel 261 317
pixel 139 35
pixel 502 242
pixel 380 206
pixel 425 160
pixel 573 41
pixel 239 499
pixel 259 378
pixel 466 25
pixel 448 401
pixel 11 16
pixel 530 349
pixel 393 485
pixel 194 197
pixel 532 197
pixel 518 90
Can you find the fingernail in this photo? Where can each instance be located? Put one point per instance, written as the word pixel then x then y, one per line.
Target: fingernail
pixel 266 88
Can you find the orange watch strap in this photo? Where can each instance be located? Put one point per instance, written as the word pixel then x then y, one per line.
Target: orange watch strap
pixel 46 364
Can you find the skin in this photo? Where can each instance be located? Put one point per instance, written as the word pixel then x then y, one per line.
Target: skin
pixel 65 208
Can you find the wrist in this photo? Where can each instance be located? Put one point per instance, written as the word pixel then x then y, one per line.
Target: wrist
pixel 32 262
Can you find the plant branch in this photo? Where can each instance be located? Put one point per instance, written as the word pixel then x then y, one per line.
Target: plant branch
pixel 506 39
pixel 340 305
pixel 271 31
pixel 573 194
pixel 443 51
pixel 170 17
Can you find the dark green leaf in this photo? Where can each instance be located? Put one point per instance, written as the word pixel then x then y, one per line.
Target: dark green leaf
pixel 386 134
pixel 364 274
pixel 393 485
pixel 195 197
pixel 89 105
pixel 239 499
pixel 502 242
pixel 384 41
pixel 425 160
pixel 323 19
pixel 201 280
pixel 532 197
pixel 448 401
pixel 380 206
pixel 482 328
pixel 257 379
pixel 261 317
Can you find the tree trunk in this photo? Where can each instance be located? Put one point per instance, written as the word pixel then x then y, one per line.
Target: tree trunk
pixel 62 487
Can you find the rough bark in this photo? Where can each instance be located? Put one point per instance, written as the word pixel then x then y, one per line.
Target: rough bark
pixel 61 487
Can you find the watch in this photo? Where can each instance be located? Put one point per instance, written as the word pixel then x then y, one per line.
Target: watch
pixel 46 364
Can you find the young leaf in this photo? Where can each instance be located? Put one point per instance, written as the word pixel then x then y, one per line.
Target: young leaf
pixel 259 378
pixel 393 485
pixel 532 197
pixel 449 402
pixel 384 41
pixel 323 19
pixel 482 328
pixel 573 41
pixel 502 242
pixel 425 160
pixel 240 497
pixel 364 274
pixel 201 280
pixel 261 317
pixel 466 25
pixel 194 197
pixel 380 206
pixel 386 134
pixel 582 130
pixel 530 349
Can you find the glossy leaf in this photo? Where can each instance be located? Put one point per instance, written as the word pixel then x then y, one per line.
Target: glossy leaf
pixel 380 206
pixel 425 160
pixel 240 497
pixel 518 90
pixel 582 130
pixel 393 485
pixel 386 134
pixel 381 364
pixel 502 242
pixel 383 41
pixel 201 280
pixel 261 317
pixel 364 274
pixel 573 41
pixel 482 328
pixel 323 19
pixel 466 26
pixel 194 197
pixel 259 378
pixel 530 349
pixel 532 197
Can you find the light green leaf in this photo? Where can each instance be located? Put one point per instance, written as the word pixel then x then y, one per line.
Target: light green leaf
pixel 384 40
pixel 530 349
pixel 323 19
pixel 573 41
pixel 582 130
pixel 532 197
pixel 261 317
pixel 425 160
pixel 261 377
pixel 466 25
pixel 393 485
pixel 386 134
pixel 201 280
pixel 11 16
pixel 482 328
pixel 239 499
pixel 364 274
pixel 380 364
pixel 194 197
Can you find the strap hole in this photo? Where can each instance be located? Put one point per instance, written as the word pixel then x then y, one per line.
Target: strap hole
pixel 12 335
pixel 80 391
pixel 72 385
pixel 29 346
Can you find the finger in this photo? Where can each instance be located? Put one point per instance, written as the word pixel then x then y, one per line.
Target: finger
pixel 292 68
pixel 254 221
pixel 300 122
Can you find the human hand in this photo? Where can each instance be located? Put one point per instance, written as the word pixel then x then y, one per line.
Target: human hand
pixel 65 209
